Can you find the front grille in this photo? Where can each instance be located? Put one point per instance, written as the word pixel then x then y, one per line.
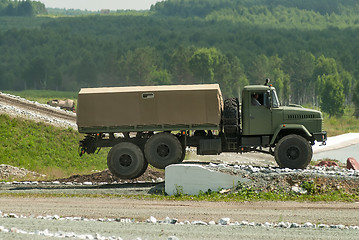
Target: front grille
pixel 300 116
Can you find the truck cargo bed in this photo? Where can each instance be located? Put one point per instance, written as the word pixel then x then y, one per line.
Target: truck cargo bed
pixel 149 108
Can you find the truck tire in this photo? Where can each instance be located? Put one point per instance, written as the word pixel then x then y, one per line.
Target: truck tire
pixel 163 149
pixel 143 170
pixel 230 112
pixel 231 117
pixel 125 160
pixel 293 151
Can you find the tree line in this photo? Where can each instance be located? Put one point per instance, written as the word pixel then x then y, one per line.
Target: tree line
pixel 23 8
pixel 310 53
pixel 260 8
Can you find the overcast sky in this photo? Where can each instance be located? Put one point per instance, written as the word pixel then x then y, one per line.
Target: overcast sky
pixel 100 4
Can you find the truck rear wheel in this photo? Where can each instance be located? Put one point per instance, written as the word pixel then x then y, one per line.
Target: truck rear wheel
pixel 163 149
pixel 125 160
pixel 293 151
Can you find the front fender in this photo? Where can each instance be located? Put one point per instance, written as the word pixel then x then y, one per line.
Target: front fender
pixel 296 127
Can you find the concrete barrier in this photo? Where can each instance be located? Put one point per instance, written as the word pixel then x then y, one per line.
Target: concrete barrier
pixel 192 178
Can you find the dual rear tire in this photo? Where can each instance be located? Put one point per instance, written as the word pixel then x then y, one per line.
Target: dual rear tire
pixel 126 160
pixel 163 149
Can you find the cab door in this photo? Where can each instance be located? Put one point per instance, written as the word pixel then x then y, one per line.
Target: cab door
pixel 260 115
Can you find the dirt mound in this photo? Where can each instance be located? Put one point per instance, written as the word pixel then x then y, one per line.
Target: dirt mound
pixel 151 175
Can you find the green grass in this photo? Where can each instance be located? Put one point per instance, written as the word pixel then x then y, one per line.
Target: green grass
pixel 340 125
pixel 44 149
pixel 248 195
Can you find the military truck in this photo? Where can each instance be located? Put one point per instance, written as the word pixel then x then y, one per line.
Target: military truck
pixel 155 124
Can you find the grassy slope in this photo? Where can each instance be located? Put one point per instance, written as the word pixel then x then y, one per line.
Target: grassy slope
pixel 44 149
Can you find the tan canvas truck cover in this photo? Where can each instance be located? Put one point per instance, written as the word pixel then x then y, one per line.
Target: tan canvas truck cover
pixel 149 108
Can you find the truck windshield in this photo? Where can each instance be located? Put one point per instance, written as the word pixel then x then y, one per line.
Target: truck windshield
pixel 275 102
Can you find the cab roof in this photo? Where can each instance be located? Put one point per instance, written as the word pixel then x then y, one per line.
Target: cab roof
pixel 257 88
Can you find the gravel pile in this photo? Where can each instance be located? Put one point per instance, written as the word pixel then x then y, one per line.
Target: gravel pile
pixel 26 114
pixel 271 178
pixel 15 110
pixel 152 220
pixel 37 103
pixel 7 171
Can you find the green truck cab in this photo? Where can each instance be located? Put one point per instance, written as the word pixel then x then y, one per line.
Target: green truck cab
pixel 154 125
pixel 270 118
pixel 290 130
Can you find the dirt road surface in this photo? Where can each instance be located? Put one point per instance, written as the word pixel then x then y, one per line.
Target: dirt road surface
pixel 259 212
pixel 140 210
pixel 40 108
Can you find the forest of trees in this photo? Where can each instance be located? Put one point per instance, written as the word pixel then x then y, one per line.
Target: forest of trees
pixel 23 8
pixel 309 49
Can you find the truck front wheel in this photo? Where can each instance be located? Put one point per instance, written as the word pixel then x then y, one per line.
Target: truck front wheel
pixel 163 149
pixel 125 160
pixel 293 151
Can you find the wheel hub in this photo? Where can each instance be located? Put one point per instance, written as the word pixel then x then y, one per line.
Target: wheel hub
pixel 163 150
pixel 293 153
pixel 125 160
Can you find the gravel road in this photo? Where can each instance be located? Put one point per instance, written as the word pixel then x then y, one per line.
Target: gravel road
pixel 140 210
pixel 19 107
pixel 166 231
pixel 259 212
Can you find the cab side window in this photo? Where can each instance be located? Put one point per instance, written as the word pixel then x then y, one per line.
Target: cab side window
pixel 257 99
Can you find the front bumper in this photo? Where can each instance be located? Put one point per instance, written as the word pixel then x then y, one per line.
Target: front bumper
pixel 320 137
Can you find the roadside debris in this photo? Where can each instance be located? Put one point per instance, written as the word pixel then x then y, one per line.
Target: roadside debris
pixel 352 164
pixel 327 164
pixel 66 104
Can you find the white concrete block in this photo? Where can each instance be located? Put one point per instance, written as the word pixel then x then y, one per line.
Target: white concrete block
pixel 192 178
